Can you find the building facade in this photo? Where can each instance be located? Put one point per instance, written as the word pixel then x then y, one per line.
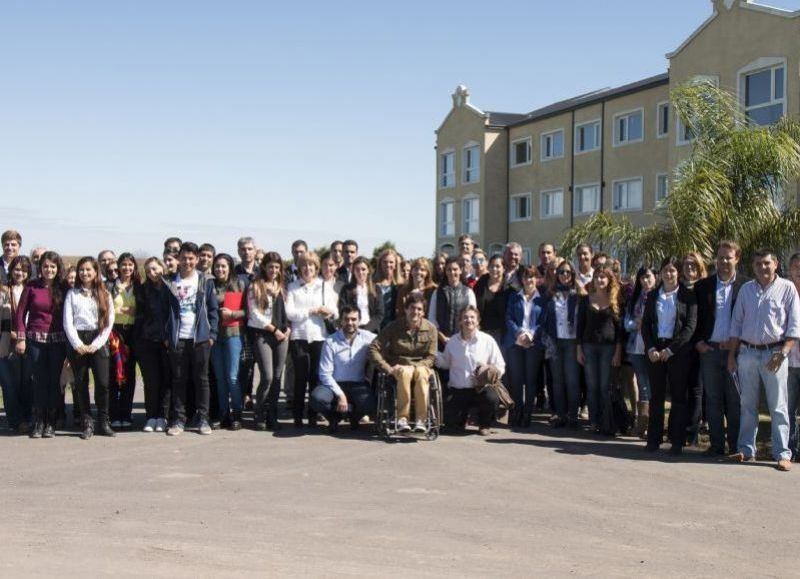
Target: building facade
pixel 528 177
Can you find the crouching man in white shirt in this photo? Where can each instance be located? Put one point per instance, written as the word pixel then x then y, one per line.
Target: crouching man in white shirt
pixel 467 354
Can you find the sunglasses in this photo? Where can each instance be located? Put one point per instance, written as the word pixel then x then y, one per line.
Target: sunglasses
pixel 564 272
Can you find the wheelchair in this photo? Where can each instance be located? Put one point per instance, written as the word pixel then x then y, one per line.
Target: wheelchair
pixel 386 414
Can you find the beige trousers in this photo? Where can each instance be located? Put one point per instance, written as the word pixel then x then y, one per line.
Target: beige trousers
pixel 418 377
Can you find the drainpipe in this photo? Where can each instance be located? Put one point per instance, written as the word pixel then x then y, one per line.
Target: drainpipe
pixel 572 175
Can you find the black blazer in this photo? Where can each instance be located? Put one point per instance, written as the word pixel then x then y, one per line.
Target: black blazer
pixel 348 297
pixel 705 291
pixel 685 320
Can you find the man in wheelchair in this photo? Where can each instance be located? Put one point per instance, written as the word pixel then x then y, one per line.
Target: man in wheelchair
pixel 406 349
pixel 343 385
pixel 469 355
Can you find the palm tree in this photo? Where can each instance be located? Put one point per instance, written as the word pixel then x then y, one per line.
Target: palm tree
pixel 738 183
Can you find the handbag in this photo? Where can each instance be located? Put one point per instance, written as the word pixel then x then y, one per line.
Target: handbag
pixel 616 417
pixel 489 377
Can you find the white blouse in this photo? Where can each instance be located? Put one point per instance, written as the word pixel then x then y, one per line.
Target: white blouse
pixel 80 314
pixel 303 297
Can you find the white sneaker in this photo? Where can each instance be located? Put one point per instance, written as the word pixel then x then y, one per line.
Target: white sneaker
pixel 161 424
pixel 402 425
pixel 419 426
pixel 150 426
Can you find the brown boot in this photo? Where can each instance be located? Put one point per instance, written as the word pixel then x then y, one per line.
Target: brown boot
pixel 643 415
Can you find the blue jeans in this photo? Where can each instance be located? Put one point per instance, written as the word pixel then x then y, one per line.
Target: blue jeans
pixel 524 372
pixel 639 364
pixel 752 367
pixel 359 395
pixel 566 380
pixel 723 403
pixel 225 361
pixel 598 377
pixel 794 398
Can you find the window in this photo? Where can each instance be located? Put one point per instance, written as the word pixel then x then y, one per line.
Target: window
pixel 448 248
pixel 685 134
pixel 628 127
pixel 764 95
pixel 495 248
pixel 521 152
pixel 662 189
pixel 526 256
pixel 447 170
pixel 587 199
pixel 521 207
pixel 552 204
pixel 627 195
pixel 553 145
pixel 447 219
pixel 470 211
pixel 472 164
pixel 587 137
pixel 662 114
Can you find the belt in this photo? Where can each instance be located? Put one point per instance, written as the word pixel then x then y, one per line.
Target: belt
pixel 762 346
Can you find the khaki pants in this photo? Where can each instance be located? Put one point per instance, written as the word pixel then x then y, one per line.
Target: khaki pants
pixel 419 377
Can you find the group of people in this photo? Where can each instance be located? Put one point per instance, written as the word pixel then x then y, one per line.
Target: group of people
pixel 560 335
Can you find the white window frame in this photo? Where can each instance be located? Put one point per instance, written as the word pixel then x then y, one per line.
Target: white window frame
pixel 543 147
pixel 526 256
pixel 760 65
pixel 512 208
pixel 659 107
pixel 447 180
pixel 465 228
pixel 661 202
pixel 475 169
pixel 513 154
pixel 617 141
pixel 440 222
pixel 616 182
pixel 542 195
pixel 597 136
pixel 575 191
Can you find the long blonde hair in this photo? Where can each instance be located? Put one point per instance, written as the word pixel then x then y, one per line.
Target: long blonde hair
pixel 613 289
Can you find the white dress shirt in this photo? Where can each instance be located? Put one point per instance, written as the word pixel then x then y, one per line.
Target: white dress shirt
pixel 80 314
pixel 564 330
pixel 666 311
pixel 464 357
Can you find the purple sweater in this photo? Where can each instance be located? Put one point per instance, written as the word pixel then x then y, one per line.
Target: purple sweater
pixel 36 305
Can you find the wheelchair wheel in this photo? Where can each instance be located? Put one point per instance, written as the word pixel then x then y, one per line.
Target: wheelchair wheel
pixel 384 416
pixel 435 416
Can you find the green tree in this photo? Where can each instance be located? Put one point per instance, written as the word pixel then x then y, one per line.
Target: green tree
pixel 739 182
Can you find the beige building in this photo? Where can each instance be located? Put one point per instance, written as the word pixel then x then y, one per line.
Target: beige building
pixel 528 177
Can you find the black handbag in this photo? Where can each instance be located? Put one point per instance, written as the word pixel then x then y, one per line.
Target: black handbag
pixel 616 417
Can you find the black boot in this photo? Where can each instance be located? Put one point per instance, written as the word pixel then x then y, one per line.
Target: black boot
pixel 88 429
pixel 236 421
pixel 38 425
pixel 50 424
pixel 104 427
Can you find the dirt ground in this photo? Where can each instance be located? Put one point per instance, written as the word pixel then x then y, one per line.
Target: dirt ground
pixel 308 504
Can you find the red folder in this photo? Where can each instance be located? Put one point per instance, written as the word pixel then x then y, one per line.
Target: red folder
pixel 234 301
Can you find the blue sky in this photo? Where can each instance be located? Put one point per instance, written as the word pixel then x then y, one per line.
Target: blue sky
pixel 124 122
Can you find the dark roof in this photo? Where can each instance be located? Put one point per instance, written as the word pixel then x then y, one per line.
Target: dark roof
pixel 579 101
pixel 504 119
